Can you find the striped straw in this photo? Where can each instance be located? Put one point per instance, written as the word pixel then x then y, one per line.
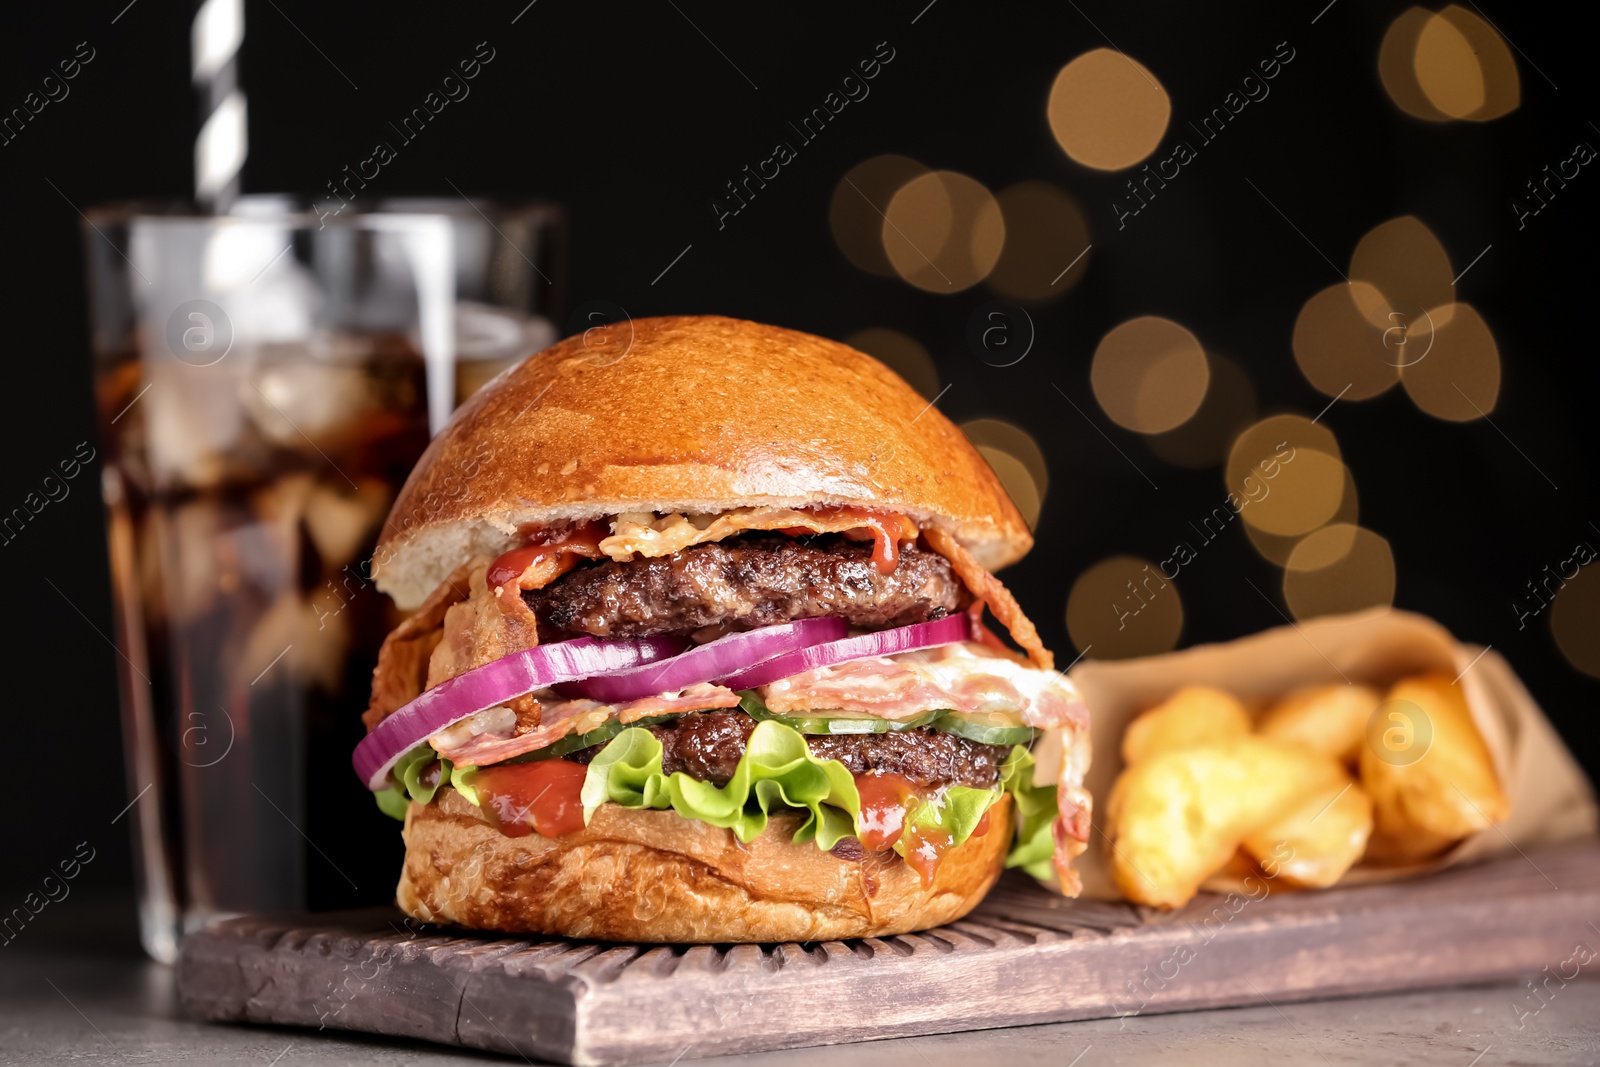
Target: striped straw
pixel 219 151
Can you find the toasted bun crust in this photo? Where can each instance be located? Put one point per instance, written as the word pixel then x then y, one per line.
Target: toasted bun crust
pixel 657 876
pixel 686 414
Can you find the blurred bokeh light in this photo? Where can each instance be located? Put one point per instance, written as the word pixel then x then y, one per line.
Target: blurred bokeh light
pixel 1575 620
pixel 1337 569
pixel 1045 233
pixel 1407 266
pixel 1450 64
pixel 1107 110
pixel 1459 378
pixel 1339 351
pixel 902 354
pixel 860 200
pixel 943 232
pixel 1289 473
pixel 1122 607
pixel 1277 548
pixel 1228 407
pixel 1017 459
pixel 1150 374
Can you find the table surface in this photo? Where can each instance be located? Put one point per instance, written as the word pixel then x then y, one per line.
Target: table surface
pixel 68 1004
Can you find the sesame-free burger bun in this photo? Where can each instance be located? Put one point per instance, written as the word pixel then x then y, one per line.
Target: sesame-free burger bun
pixel 655 876
pixel 691 414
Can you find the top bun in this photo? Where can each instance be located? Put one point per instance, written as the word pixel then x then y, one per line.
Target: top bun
pixel 692 414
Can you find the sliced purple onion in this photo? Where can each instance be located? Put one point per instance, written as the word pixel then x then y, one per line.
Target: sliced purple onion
pixel 945 631
pixel 712 660
pixel 493 684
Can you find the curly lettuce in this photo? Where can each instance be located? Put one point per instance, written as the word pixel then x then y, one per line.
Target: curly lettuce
pixel 777 773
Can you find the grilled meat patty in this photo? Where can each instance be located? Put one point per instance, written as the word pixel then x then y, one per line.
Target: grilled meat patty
pixel 706 745
pixel 744 582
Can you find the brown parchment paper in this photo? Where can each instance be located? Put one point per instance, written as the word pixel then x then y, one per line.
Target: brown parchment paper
pixel 1551 799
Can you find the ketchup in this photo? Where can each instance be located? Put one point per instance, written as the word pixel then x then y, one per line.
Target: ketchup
pixel 566 549
pixel 885 529
pixel 887 801
pixel 519 798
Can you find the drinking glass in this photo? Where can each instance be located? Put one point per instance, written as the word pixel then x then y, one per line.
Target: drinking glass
pixel 265 382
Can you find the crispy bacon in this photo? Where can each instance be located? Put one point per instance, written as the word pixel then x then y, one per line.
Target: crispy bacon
pixel 967 678
pixel 402 669
pixel 987 588
pixel 648 535
pixel 558 718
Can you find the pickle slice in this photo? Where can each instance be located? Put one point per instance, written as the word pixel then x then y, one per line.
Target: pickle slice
pixel 834 722
pixel 598 736
pixel 984 728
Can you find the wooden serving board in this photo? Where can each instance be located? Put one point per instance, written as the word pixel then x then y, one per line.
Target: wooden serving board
pixel 1024 956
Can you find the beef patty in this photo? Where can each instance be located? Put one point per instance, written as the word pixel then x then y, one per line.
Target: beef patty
pixel 706 745
pixel 744 582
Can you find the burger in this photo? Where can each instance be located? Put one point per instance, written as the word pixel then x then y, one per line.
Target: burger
pixel 697 652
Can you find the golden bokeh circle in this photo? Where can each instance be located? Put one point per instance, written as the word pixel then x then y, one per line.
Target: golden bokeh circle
pixel 1277 548
pixel 1150 374
pixel 1459 377
pixel 1339 568
pixel 1046 232
pixel 1339 351
pixel 1405 269
pixel 1464 67
pixel 943 232
pixel 1009 437
pixel 1017 481
pixel 902 354
pixel 1575 620
pixel 1123 607
pixel 1107 111
pixel 1288 474
pixel 855 213
pixel 1397 68
pixel 1229 406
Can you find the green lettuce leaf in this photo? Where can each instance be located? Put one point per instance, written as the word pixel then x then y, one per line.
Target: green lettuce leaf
pixel 406 785
pixel 777 770
pixel 1036 812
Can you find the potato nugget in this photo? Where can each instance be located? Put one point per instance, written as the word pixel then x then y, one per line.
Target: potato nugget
pixel 1193 716
pixel 1331 719
pixel 1428 771
pixel 1178 816
pixel 1313 845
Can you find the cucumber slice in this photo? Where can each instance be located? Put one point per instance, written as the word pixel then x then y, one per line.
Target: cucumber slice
pixel 598 736
pixel 834 722
pixel 986 729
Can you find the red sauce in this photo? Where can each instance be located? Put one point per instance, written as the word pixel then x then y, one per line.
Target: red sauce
pixel 544 795
pixel 885 529
pixel 925 846
pixel 566 548
pixel 983 825
pixel 885 801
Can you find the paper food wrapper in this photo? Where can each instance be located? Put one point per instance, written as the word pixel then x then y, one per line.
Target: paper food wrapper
pixel 1551 799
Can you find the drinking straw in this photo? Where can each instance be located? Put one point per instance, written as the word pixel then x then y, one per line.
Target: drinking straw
pixel 220 148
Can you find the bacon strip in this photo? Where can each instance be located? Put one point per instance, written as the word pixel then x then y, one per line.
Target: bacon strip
pixel 987 588
pixel 402 669
pixel 670 533
pixel 559 718
pixel 966 678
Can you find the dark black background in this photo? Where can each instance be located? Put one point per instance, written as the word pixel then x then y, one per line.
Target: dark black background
pixel 628 116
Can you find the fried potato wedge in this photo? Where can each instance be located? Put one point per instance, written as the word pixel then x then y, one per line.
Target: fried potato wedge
pixel 1331 719
pixel 1179 816
pixel 1428 772
pixel 1315 843
pixel 1195 715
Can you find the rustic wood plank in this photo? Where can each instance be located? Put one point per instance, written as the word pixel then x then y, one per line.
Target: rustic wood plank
pixel 1023 957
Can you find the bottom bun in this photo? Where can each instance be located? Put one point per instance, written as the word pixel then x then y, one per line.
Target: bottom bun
pixel 639 875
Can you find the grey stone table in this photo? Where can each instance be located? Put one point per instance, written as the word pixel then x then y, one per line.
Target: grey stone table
pixel 64 1004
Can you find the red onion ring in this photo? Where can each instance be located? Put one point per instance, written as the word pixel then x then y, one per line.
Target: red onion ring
pixel 715 659
pixel 493 684
pixel 945 631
